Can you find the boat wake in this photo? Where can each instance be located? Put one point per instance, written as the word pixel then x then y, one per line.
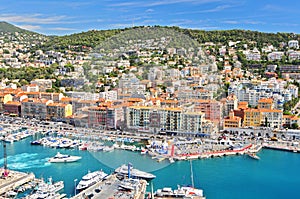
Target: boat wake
pixel 25 161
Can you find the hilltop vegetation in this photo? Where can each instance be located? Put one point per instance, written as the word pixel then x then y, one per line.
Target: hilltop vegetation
pixel 142 37
pixel 9 32
pixel 9 28
pixel 90 39
pixel 95 37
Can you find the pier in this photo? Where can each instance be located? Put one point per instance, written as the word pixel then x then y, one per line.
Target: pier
pixel 110 189
pixel 13 180
pixel 282 147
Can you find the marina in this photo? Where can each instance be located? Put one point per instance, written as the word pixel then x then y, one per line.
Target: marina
pixel 26 157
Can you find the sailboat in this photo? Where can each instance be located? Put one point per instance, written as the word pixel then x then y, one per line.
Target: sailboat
pixel 181 191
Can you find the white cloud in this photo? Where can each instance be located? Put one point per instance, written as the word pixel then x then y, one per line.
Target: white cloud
pixel 273 8
pixel 285 24
pixel 231 22
pixel 216 9
pixel 61 28
pixel 253 22
pixel 30 27
pixel 159 3
pixel 149 10
pixel 33 18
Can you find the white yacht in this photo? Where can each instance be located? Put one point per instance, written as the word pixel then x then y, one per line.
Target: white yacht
pixel 134 173
pixel 180 192
pixel 47 190
pixel 64 158
pixel 90 179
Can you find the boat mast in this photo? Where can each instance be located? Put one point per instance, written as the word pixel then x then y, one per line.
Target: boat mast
pixel 152 194
pixel 192 175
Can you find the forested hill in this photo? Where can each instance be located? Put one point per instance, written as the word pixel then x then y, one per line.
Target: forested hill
pixel 94 37
pixel 224 36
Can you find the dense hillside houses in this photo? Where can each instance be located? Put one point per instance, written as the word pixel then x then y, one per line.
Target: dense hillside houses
pixel 151 84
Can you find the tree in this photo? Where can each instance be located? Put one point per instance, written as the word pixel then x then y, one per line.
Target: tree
pixel 295 126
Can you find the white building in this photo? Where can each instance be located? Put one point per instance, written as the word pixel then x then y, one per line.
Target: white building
pixel 293 44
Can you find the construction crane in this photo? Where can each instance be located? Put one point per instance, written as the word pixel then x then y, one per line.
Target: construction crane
pixel 5 172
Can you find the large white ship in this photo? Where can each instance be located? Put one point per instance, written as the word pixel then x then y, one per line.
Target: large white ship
pixel 90 179
pixel 134 173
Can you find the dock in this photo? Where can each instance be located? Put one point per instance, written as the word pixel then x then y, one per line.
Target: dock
pixel 276 146
pixel 109 188
pixel 13 180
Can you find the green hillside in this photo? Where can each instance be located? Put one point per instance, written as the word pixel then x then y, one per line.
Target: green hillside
pixel 95 37
pixel 7 27
pixel 82 41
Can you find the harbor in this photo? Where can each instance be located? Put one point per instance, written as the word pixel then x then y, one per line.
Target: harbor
pixel 158 154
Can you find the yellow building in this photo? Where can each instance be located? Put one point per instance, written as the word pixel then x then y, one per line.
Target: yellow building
pixel 263 117
pixel 252 117
pixel 58 111
pixel 4 98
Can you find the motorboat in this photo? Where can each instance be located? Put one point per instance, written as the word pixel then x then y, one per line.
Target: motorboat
pixel 129 184
pixel 90 179
pixel 47 189
pixel 134 173
pixel 59 158
pixel 253 155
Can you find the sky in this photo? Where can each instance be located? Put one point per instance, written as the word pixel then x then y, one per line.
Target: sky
pixel 62 17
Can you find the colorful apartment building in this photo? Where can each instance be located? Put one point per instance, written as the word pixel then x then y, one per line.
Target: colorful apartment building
pixel 12 108
pixel 55 97
pixel 169 120
pixel 4 98
pixel 211 108
pixel 265 103
pixel 229 103
pixel 263 117
pixel 58 111
pixel 106 117
pixel 290 120
pixel 35 108
pixel 232 121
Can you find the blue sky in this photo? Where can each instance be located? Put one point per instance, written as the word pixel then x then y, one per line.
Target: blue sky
pixel 60 17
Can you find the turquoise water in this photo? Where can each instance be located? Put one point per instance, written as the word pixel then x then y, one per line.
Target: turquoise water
pixel 275 175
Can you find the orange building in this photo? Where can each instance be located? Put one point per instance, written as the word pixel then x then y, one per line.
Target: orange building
pixel 232 121
pixel 265 103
